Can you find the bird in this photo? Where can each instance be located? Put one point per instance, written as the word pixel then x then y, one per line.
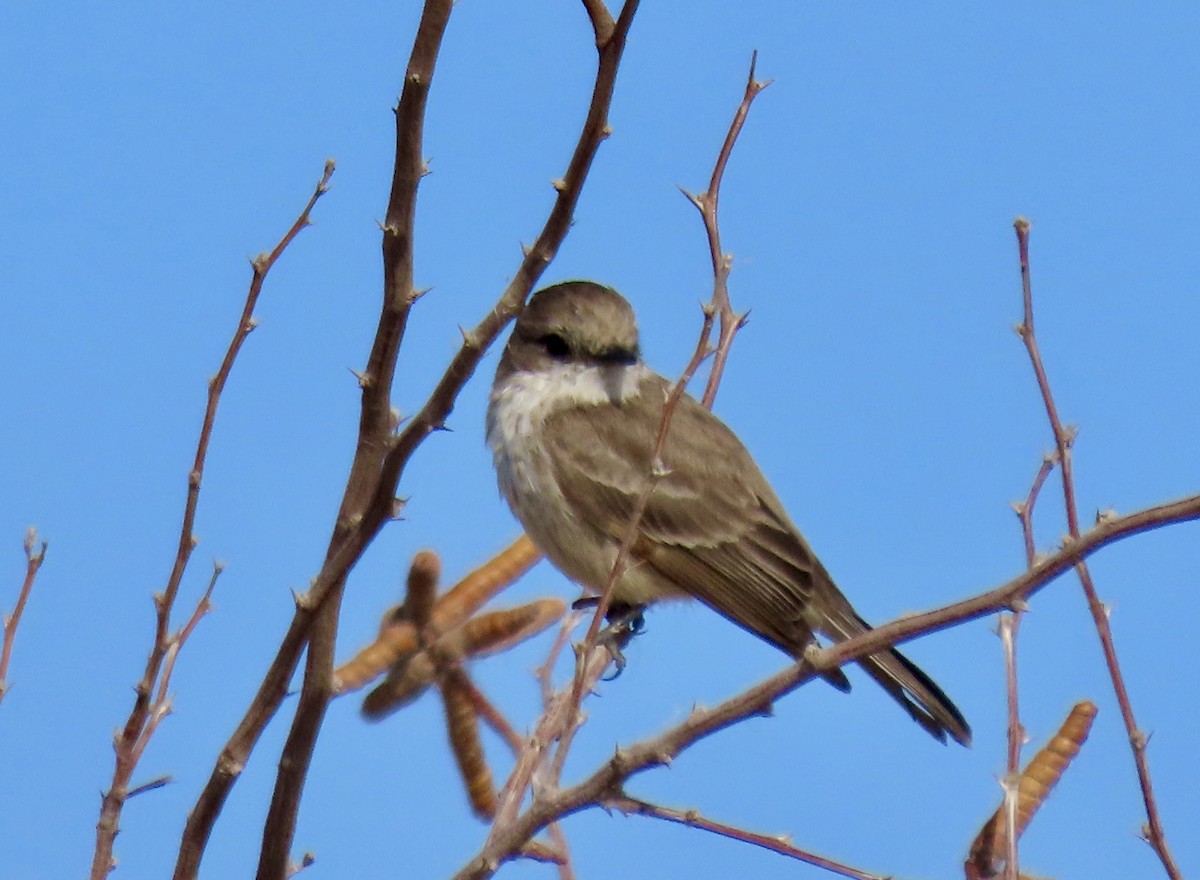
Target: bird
pixel 572 421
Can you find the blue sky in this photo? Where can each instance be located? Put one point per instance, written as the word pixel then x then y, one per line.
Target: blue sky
pixel 151 149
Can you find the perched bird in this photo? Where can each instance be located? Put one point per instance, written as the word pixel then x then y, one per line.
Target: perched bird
pixel 572 421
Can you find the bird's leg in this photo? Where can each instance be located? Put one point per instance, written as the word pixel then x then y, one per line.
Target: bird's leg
pixel 624 622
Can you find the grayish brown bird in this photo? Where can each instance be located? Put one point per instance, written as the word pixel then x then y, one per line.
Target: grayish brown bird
pixel 572 422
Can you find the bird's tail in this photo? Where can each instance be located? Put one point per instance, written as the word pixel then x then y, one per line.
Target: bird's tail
pixel 915 691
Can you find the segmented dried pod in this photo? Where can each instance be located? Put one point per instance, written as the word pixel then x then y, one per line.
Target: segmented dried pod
pixel 395 644
pixel 423 575
pixel 469 595
pixel 462 725
pixel 399 637
pixel 1041 775
pixel 408 680
pixel 500 630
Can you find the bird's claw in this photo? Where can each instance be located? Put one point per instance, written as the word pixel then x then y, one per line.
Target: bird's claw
pixel 624 622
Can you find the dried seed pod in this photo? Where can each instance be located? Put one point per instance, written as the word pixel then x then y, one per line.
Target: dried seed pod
pixel 423 577
pixel 462 725
pixel 499 630
pixel 407 681
pixel 395 644
pixel 1037 781
pixel 469 594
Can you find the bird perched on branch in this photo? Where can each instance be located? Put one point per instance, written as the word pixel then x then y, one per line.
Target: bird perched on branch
pixel 573 420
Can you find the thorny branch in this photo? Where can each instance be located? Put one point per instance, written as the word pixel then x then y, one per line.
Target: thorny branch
pixel 369 501
pixel 706 202
pixel 1064 439
pixel 775 843
pixel 145 715
pixel 35 555
pixel 610 778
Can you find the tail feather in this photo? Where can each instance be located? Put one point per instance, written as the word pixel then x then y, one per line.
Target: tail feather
pixel 916 692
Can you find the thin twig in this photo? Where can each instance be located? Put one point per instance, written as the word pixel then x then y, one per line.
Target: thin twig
pixel 775 843
pixel 1009 627
pixel 1064 438
pixel 129 752
pixel 35 555
pixel 701 723
pixel 147 709
pixel 706 203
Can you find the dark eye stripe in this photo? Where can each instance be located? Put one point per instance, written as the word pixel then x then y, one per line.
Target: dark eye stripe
pixel 624 356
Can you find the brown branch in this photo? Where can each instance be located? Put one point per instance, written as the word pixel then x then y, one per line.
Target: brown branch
pixel 722 262
pixel 146 712
pixel 611 777
pixel 775 843
pixel 35 555
pixel 1064 438
pixel 129 752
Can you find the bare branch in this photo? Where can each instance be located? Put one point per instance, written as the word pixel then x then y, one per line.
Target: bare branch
pixel 35 555
pixel 147 712
pixel 1064 438
pixel 775 843
pixel 129 752
pixel 1009 628
pixel 508 837
pixel 721 261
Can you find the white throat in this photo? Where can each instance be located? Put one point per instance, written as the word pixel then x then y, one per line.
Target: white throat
pixel 522 401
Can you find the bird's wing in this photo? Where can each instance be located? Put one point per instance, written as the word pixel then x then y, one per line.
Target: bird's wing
pixel 712 527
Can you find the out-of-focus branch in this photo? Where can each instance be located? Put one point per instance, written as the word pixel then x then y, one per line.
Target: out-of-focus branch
pixel 35 555
pixel 1064 439
pixel 1031 790
pixel 144 716
pixel 775 843
pixel 611 777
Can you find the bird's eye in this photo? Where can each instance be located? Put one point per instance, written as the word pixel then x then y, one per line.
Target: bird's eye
pixel 555 346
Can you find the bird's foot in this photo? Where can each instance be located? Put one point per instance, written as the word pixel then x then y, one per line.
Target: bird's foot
pixel 624 621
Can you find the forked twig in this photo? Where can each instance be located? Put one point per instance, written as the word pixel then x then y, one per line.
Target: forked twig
pixel 720 306
pixel 1009 627
pixel 145 715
